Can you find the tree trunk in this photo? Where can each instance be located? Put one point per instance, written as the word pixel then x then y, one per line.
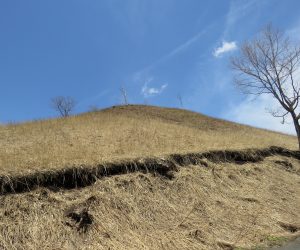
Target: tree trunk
pixel 297 128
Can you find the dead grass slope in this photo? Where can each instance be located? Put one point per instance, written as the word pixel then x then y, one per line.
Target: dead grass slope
pixel 153 178
pixel 210 205
pixel 123 132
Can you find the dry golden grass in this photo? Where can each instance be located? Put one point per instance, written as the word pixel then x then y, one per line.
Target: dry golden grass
pixel 221 206
pixel 120 133
pixel 210 205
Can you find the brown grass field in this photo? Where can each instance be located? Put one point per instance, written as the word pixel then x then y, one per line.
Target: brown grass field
pixel 242 195
pixel 123 132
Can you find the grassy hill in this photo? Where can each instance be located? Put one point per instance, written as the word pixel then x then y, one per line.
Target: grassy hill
pixel 123 132
pixel 142 177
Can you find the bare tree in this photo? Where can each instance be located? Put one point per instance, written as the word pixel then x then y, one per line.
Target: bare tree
pixel 179 97
pixel 124 95
pixel 63 105
pixel 270 64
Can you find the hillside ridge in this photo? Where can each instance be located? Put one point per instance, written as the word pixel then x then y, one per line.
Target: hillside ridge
pixel 123 132
pixel 77 177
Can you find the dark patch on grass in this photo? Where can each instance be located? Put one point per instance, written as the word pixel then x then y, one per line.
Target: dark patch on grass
pixel 290 227
pixel 226 245
pixel 77 177
pixel 80 219
pixel 285 165
pixel 249 199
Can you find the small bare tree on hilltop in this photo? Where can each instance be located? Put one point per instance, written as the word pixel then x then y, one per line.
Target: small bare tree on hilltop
pixel 270 64
pixel 63 105
pixel 179 97
pixel 124 95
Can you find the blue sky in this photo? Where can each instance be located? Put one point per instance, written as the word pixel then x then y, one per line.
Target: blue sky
pixel 155 49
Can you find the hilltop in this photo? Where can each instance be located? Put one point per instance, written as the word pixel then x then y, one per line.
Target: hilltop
pixel 123 132
pixel 144 177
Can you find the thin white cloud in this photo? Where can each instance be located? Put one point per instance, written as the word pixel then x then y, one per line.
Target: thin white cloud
pixel 225 48
pixel 151 91
pixel 255 113
pixel 92 99
pixel 185 45
pixel 179 49
pixel 237 10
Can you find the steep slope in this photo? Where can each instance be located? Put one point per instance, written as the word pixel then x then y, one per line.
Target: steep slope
pixel 204 206
pixel 141 177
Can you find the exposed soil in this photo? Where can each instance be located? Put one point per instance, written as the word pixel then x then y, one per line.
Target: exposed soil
pixel 82 176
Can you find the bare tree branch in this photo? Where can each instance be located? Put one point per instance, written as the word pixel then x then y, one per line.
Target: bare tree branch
pixel 179 97
pixel 63 105
pixel 124 95
pixel 269 64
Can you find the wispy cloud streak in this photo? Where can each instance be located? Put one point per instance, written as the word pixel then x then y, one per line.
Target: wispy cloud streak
pixel 237 10
pixel 179 49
